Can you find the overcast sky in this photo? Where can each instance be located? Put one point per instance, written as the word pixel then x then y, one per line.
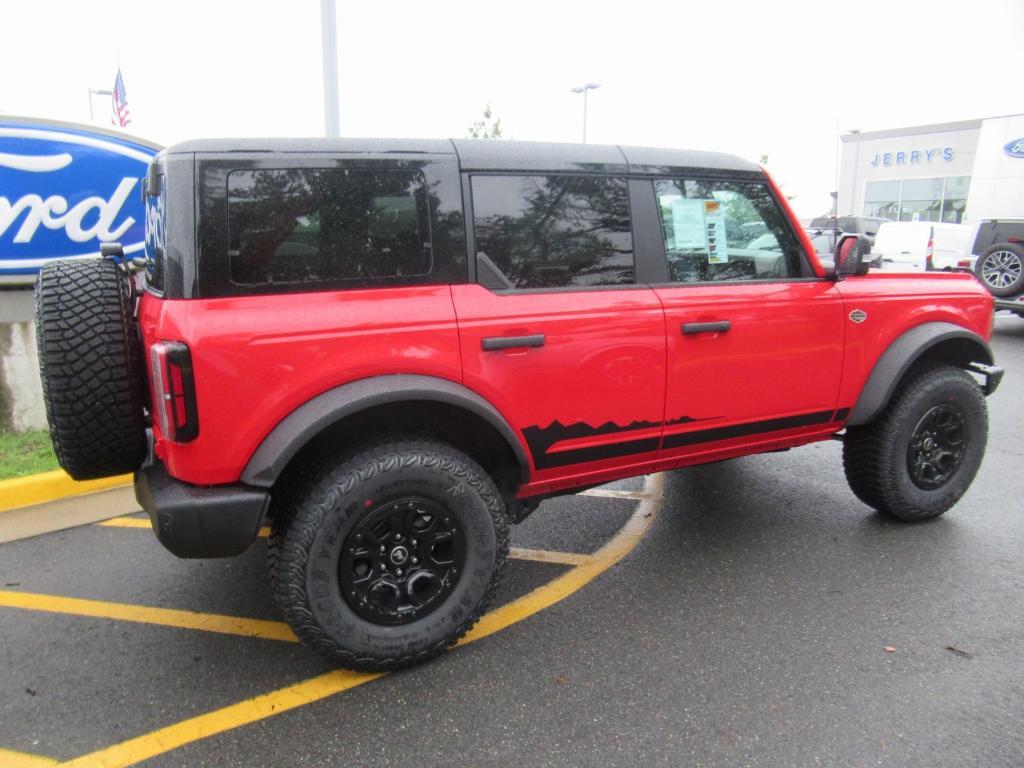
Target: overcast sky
pixel 749 78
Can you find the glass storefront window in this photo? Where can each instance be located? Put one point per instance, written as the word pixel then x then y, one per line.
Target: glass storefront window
pixel 938 199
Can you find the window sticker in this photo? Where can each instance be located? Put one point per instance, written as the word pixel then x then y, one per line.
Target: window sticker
pixel 714 225
pixel 688 231
pixel 699 225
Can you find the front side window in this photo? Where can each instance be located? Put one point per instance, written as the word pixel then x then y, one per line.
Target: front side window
pixel 725 230
pixel 316 225
pixel 552 231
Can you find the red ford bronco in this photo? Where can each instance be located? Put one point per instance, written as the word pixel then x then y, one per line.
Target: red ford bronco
pixel 391 350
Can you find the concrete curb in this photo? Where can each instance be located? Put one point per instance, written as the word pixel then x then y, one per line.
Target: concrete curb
pixel 49 486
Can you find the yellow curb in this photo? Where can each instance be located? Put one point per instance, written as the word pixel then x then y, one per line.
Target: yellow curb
pixel 47 486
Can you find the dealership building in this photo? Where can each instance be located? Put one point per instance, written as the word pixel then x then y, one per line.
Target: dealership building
pixel 958 172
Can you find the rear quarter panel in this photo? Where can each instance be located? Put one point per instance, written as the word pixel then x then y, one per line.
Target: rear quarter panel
pixel 895 303
pixel 258 358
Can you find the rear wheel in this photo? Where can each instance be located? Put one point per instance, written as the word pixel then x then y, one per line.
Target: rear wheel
pixel 388 557
pixel 920 455
pixel 91 368
pixel 1001 269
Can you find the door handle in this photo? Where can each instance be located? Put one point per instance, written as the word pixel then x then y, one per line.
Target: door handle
pixel 719 326
pixel 492 343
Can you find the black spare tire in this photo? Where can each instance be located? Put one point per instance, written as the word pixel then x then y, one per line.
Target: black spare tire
pixel 91 368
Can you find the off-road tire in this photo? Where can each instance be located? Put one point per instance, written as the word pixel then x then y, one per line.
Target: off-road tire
pixel 91 368
pixel 310 529
pixel 1013 255
pixel 875 455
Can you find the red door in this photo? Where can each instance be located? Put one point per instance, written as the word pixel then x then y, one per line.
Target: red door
pixel 750 363
pixel 755 341
pixel 579 374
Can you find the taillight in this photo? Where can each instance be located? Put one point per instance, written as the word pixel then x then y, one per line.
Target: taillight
pixel 174 390
pixel 929 262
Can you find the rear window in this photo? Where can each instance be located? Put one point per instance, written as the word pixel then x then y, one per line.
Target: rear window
pixel 325 225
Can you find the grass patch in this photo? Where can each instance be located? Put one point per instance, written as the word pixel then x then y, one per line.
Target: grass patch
pixel 26 453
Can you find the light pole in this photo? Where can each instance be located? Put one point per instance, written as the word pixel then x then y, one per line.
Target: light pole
pixel 329 33
pixel 856 168
pixel 96 92
pixel 583 89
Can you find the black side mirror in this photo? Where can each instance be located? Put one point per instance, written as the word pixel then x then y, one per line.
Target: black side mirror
pixel 852 255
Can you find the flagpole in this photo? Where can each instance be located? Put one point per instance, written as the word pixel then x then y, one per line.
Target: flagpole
pixel 329 32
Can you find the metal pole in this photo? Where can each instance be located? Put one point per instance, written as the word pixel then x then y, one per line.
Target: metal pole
pixel 91 118
pixel 329 30
pixel 585 115
pixel 856 169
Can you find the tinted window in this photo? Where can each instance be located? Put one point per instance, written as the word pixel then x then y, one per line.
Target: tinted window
pixel 326 225
pixel 722 230
pixel 156 227
pixel 552 231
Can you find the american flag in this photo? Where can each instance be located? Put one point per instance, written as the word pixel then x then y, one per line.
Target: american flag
pixel 119 101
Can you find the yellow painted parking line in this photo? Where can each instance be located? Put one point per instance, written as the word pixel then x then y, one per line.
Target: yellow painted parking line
pixel 605 493
pixel 11 759
pixel 47 486
pixel 547 556
pixel 203 726
pixel 516 553
pixel 266 705
pixel 166 617
pixel 126 522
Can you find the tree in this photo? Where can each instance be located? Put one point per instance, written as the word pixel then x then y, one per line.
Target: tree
pixel 487 128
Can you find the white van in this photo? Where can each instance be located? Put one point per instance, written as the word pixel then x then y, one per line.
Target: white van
pixel 923 246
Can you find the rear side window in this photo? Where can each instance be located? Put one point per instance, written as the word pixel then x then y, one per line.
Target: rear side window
pixel 317 225
pixel 725 230
pixel 156 227
pixel 555 231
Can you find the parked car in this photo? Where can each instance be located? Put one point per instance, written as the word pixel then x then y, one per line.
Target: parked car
pixel 391 350
pixel 923 246
pixel 999 248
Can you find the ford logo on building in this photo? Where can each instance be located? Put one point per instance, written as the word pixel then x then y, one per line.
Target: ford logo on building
pixel 64 190
pixel 1015 148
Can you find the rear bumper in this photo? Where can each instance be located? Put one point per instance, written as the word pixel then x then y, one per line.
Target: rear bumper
pixel 195 521
pixel 1014 305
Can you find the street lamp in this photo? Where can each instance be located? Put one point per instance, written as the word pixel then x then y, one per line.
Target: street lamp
pixel 96 92
pixel 856 168
pixel 583 89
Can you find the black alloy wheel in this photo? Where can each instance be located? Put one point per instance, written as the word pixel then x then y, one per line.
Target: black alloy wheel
pixel 937 446
pixel 401 560
pixel 386 555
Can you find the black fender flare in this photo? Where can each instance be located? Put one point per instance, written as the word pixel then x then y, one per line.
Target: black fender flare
pixel 903 353
pixel 311 418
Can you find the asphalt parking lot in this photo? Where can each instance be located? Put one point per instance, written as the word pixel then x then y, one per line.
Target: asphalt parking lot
pixel 759 615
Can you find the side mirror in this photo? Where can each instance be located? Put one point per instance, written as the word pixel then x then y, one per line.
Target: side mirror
pixel 852 256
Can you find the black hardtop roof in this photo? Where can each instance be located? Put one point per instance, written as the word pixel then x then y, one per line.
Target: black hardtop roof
pixel 493 154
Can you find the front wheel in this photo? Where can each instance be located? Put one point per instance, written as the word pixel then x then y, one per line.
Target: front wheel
pixel 388 557
pixel 920 455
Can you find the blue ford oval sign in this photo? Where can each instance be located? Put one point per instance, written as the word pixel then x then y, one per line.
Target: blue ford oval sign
pixel 64 189
pixel 1015 148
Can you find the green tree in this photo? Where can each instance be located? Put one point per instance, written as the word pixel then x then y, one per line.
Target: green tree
pixel 487 128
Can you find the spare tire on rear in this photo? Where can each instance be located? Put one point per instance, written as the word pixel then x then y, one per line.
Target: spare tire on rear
pixel 89 362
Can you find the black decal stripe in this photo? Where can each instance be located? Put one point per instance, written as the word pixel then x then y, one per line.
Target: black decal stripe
pixel 744 430
pixel 540 439
pixel 595 453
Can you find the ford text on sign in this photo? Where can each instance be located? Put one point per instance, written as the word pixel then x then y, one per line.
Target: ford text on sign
pixel 64 190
